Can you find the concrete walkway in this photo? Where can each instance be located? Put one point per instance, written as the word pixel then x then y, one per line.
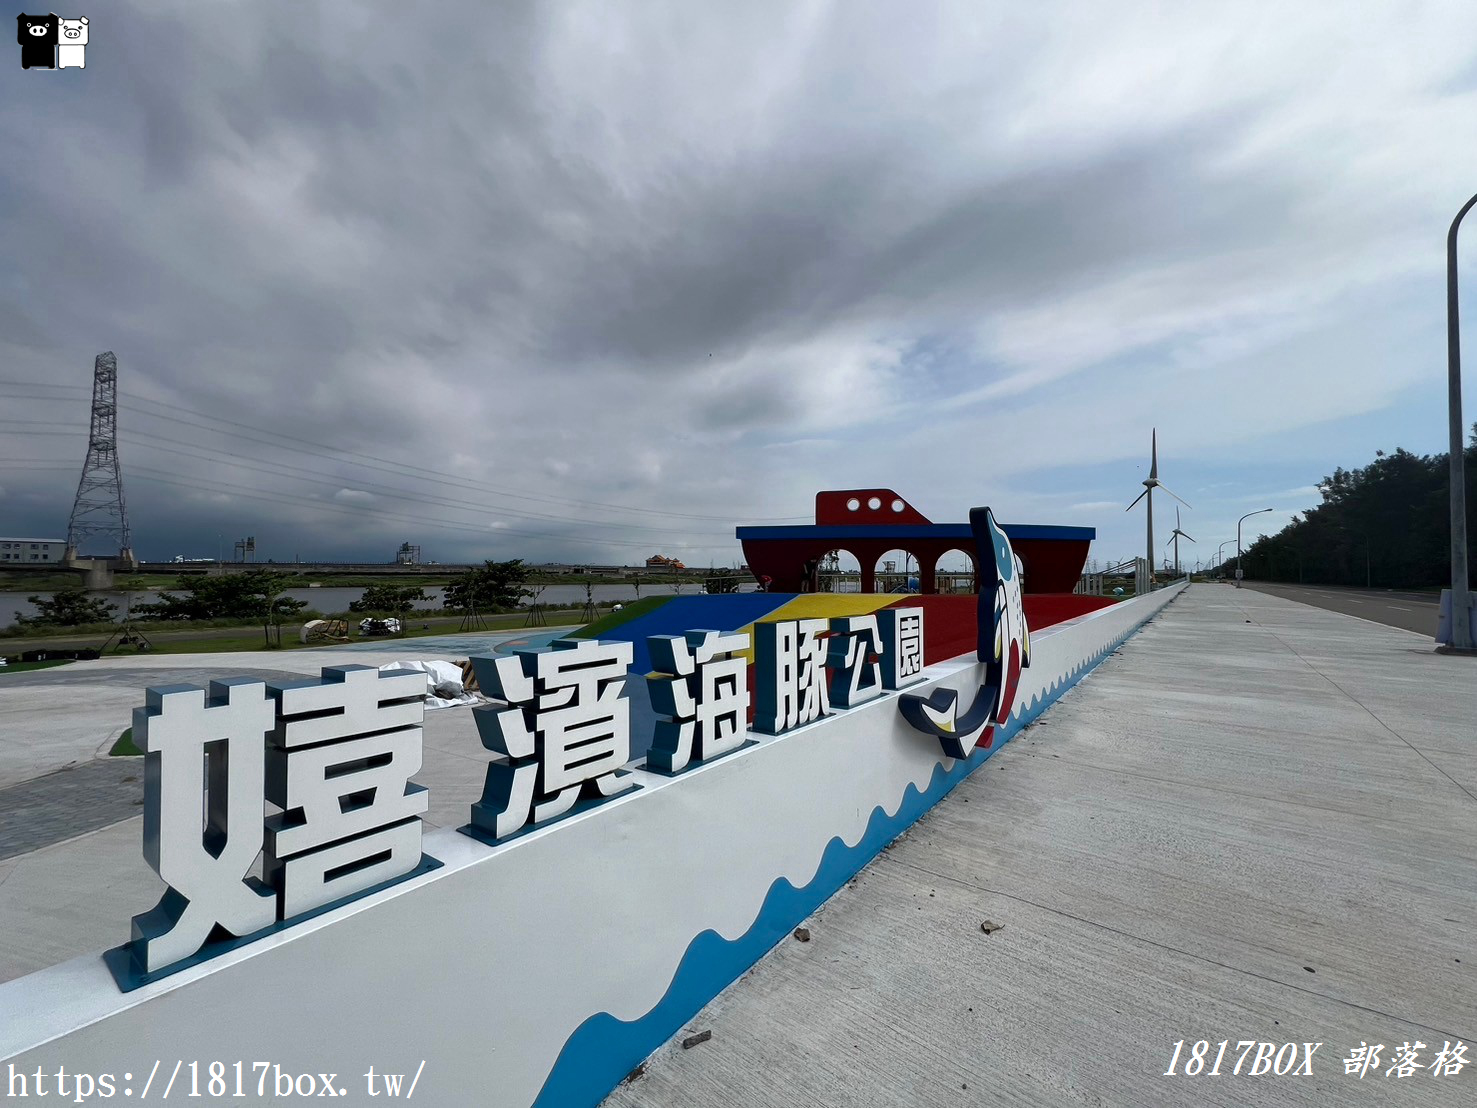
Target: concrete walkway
pixel 52 719
pixel 1255 821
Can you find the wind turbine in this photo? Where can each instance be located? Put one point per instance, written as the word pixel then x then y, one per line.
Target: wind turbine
pixel 1150 484
pixel 1175 537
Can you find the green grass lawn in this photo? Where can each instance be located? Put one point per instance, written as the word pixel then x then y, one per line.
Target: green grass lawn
pixel 182 638
pixel 21 667
pixel 124 747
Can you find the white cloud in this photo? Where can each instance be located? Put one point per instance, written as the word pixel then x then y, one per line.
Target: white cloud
pixel 664 271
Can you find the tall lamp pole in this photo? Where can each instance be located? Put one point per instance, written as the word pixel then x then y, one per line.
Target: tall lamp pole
pixel 1461 597
pixel 1219 549
pixel 1247 516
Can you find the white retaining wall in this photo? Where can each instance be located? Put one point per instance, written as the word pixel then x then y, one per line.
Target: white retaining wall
pixel 544 969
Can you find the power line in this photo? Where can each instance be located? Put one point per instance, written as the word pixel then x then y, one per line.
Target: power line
pixel 147 473
pixel 380 490
pixel 402 469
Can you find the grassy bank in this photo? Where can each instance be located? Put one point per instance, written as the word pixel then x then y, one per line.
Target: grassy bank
pixel 154 582
pixel 194 638
pixel 22 667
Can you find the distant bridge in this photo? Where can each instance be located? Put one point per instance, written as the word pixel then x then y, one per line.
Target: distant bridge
pixel 101 576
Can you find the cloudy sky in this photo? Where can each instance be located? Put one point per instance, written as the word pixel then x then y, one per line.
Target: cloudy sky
pixel 590 281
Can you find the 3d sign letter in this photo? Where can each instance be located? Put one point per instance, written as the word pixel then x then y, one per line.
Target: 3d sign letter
pixel 565 731
pixel 902 646
pixel 186 739
pixel 790 674
pixel 854 661
pixel 702 685
pixel 350 817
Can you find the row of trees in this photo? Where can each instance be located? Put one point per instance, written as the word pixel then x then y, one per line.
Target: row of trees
pixel 1386 525
pixel 259 594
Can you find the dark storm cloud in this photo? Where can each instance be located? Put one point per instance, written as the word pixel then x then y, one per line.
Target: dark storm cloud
pixel 626 253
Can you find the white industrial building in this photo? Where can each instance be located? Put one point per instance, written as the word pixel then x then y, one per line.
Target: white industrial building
pixel 33 550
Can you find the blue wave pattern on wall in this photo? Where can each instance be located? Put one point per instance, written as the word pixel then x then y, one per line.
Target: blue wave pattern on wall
pixel 603 1049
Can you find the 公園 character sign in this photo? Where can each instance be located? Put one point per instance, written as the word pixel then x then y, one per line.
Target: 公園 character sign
pixel 334 755
pixel 1004 649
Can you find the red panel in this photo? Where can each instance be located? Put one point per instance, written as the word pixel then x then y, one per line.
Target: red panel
pixel 1051 565
pixel 950 622
pixel 949 625
pixel 782 560
pixel 831 509
pixel 1043 611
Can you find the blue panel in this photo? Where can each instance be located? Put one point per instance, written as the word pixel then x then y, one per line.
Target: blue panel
pixel 961 531
pixel 681 614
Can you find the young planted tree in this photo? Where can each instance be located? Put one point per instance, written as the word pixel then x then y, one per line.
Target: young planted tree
pixel 266 588
pixel 489 587
pixel 70 607
pixel 233 596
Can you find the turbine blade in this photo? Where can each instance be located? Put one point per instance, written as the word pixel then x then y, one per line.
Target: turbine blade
pixel 1187 536
pixel 1186 503
pixel 1136 499
pixel 1154 453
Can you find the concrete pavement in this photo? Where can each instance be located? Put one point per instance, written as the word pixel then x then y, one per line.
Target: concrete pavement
pixel 1254 821
pixel 51 719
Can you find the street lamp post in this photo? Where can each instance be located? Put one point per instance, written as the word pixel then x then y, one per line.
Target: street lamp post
pixel 1218 551
pixel 1461 597
pixel 1247 516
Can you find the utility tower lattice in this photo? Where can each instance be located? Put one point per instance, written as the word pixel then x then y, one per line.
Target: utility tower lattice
pixel 99 508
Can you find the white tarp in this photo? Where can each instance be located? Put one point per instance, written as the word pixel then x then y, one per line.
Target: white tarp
pixel 443 681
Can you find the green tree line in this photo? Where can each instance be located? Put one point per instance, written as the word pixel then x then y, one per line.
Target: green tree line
pixel 1386 525
pixel 259 595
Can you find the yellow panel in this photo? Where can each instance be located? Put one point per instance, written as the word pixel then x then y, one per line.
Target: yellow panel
pixel 824 605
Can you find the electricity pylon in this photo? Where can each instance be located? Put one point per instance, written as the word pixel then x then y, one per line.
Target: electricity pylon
pixel 99 508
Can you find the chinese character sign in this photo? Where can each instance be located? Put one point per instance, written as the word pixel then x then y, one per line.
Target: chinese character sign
pixel 1004 649
pixel 334 754
pixel 564 730
pixel 189 738
pixel 854 661
pixel 789 674
pixel 339 762
pixel 702 686
pixel 902 646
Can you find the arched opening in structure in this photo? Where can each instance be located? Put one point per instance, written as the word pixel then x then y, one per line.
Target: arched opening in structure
pixel 954 572
pixel 896 571
pixel 839 571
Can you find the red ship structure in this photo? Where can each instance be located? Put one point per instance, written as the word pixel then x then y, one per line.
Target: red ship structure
pixel 868 523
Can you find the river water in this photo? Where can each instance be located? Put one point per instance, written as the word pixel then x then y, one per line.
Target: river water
pixel 331 601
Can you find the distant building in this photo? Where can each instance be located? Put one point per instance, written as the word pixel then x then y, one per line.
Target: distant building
pixel 33 550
